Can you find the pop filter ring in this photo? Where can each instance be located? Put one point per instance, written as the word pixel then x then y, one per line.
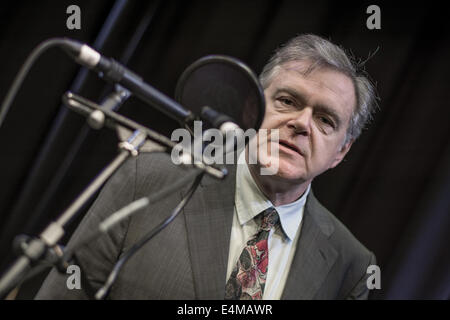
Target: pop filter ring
pixel 234 63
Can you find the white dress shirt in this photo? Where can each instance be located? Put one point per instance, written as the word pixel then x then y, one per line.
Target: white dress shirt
pixel 249 201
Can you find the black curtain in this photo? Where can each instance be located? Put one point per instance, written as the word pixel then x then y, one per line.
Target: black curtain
pixel 393 189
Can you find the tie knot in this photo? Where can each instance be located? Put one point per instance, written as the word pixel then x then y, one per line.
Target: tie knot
pixel 269 219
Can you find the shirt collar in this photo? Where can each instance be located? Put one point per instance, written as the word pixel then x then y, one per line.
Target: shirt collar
pixel 250 201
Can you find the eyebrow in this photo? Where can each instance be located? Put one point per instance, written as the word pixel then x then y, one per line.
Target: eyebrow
pixel 321 107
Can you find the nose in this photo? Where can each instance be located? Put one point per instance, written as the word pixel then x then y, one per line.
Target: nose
pixel 300 122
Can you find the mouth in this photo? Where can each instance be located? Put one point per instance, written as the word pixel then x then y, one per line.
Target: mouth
pixel 290 146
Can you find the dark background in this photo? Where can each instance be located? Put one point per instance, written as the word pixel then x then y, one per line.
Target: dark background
pixel 393 189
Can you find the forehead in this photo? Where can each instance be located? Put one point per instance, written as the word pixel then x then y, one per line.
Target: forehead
pixel 322 85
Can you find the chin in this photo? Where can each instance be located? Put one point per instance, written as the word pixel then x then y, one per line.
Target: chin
pixel 291 173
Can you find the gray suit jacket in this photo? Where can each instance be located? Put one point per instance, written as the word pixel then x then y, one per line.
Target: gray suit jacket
pixel 188 259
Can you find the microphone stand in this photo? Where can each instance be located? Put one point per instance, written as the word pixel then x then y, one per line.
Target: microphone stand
pixel 38 247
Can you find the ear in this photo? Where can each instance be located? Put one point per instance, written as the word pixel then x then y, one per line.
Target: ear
pixel 341 153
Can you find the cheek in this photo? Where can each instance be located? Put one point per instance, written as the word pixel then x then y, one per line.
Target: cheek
pixel 267 121
pixel 272 120
pixel 324 151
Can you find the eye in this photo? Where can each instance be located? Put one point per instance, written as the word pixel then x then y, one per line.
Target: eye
pixel 326 121
pixel 286 101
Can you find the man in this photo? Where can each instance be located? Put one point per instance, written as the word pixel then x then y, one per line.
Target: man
pixel 251 236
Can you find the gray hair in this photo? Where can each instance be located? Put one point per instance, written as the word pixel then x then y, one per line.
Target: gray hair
pixel 322 53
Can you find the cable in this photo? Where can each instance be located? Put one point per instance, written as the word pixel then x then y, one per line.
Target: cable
pixel 24 71
pixel 61 263
pixel 103 291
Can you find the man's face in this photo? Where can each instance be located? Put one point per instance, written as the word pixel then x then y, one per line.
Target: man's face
pixel 312 113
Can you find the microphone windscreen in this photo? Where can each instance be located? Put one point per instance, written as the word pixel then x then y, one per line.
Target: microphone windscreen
pixel 226 85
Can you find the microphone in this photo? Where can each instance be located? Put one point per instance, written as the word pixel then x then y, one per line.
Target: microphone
pixel 218 120
pixel 113 71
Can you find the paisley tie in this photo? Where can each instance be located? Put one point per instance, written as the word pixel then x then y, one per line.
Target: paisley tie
pixel 248 278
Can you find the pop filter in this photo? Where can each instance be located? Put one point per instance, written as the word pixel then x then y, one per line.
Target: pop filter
pixel 226 85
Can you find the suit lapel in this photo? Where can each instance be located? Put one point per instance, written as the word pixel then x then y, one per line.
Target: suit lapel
pixel 314 255
pixel 209 217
